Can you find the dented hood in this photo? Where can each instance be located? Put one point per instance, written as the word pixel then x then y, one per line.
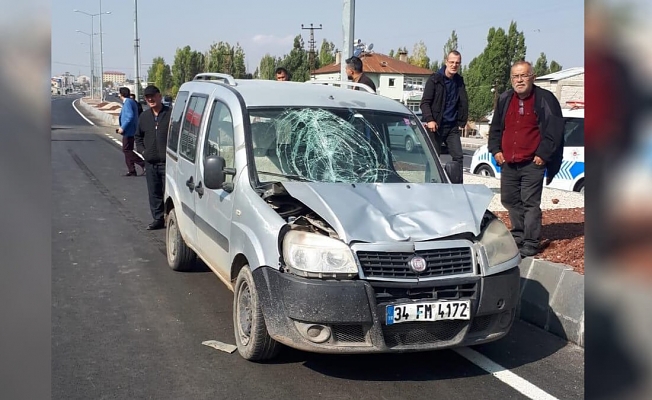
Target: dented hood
pixel 387 212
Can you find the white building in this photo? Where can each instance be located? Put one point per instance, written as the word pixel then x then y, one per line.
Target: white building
pixel 118 78
pixel 394 78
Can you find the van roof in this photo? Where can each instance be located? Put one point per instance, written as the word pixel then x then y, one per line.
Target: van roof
pixel 573 112
pixel 266 93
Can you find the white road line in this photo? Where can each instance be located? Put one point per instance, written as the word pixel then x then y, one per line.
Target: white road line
pixel 120 144
pixel 82 115
pixel 506 376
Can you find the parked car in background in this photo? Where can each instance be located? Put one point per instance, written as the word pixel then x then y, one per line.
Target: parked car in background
pixel 570 176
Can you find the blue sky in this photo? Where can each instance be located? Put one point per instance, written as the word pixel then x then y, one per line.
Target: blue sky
pixel 555 27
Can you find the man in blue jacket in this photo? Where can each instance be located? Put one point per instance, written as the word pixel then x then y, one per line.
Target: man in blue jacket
pixel 128 123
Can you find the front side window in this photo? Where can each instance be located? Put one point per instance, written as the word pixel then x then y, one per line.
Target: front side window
pixel 220 137
pixel 191 127
pixel 339 145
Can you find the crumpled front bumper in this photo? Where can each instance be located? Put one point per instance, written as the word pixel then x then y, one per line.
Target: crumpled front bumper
pixel 348 316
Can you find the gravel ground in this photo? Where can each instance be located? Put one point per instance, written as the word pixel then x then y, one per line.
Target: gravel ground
pixel 551 199
pixel 563 222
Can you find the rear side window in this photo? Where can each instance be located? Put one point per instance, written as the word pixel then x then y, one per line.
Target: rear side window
pixel 574 132
pixel 190 128
pixel 175 121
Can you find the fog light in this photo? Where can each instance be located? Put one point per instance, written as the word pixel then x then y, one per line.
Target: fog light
pixel 505 319
pixel 316 333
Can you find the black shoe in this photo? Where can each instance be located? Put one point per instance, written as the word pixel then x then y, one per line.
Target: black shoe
pixel 529 251
pixel 156 225
pixel 132 173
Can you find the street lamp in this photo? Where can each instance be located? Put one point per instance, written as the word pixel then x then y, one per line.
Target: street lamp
pixel 136 54
pixel 90 38
pixel 101 52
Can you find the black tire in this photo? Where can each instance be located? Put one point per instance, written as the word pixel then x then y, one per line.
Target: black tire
pixel 251 336
pixel 409 144
pixel 180 257
pixel 485 170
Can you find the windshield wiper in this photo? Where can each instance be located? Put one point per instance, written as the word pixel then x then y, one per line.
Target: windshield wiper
pixel 293 177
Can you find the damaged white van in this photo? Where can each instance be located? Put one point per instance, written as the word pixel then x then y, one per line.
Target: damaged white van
pixel 331 240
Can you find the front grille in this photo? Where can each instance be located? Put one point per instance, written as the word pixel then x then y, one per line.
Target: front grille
pixel 440 262
pixel 416 333
pixel 386 293
pixel 348 333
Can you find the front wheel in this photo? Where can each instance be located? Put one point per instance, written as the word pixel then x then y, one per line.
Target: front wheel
pixel 251 336
pixel 485 170
pixel 409 145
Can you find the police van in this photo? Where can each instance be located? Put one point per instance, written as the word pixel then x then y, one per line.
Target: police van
pixel 571 174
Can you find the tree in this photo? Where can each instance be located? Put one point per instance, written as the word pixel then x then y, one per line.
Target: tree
pixel 297 61
pixel 435 65
pixel 541 65
pixel 420 55
pixel 491 68
pixel 391 53
pixel 223 58
pixel 187 64
pixel 326 53
pixel 554 67
pixel 107 84
pixel 451 44
pixel 267 67
pixel 159 73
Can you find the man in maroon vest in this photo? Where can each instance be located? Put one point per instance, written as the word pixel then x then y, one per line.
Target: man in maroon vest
pixel 526 138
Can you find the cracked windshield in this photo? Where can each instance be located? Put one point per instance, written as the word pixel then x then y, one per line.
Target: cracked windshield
pixel 340 145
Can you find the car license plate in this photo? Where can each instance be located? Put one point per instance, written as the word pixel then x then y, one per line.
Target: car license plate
pixel 435 311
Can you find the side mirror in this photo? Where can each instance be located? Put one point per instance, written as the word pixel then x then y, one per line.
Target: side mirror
pixel 454 171
pixel 214 175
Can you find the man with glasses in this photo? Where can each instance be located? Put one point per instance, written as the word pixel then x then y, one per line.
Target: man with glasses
pixel 526 139
pixel 445 108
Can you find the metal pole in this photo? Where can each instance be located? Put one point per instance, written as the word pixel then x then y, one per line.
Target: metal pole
pixel 101 58
pixel 348 25
pixel 136 51
pixel 92 37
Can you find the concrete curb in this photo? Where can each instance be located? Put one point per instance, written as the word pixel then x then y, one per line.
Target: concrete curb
pixel 552 295
pixel 552 298
pixel 108 118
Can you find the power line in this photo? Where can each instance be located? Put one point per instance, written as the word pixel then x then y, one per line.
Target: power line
pixel 311 52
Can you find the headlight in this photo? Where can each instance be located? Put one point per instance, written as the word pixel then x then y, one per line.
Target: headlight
pixel 313 255
pixel 499 246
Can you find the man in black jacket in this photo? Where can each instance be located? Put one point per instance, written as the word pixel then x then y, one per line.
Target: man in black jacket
pixel 354 72
pixel 445 107
pixel 526 138
pixel 151 142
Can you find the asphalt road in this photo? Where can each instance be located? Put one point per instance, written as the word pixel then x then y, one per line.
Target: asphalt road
pixel 126 326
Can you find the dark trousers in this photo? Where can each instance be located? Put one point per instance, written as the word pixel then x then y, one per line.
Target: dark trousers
pixel 451 136
pixel 155 174
pixel 131 158
pixel 521 185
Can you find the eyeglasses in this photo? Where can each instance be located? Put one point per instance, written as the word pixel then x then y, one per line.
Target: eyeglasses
pixel 521 76
pixel 521 111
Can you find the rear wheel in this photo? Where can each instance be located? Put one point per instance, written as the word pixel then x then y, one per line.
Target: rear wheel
pixel 485 170
pixel 580 187
pixel 180 256
pixel 251 336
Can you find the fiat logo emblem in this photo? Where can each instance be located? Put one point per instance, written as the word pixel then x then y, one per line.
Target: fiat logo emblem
pixel 418 264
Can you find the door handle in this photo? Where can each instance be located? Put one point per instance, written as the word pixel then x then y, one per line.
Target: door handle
pixel 199 189
pixel 191 185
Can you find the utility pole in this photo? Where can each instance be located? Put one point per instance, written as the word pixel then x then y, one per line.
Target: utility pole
pixel 348 30
pixel 311 52
pixel 101 58
pixel 136 53
pixel 494 90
